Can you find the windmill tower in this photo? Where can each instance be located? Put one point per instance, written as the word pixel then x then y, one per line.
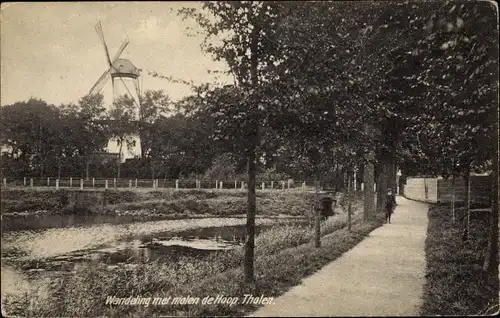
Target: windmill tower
pixel 121 71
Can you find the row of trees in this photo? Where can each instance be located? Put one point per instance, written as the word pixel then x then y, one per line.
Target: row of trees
pixel 177 140
pixel 357 83
pixel 39 139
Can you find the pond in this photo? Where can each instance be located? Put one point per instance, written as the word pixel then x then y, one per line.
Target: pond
pixel 165 247
pixel 40 253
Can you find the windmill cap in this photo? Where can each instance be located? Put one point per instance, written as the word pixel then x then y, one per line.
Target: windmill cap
pixel 124 68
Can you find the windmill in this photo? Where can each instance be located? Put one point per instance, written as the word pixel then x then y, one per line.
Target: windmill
pixel 120 71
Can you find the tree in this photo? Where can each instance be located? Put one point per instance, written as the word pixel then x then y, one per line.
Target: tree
pixel 381 66
pixel 47 140
pixel 153 105
pixel 29 130
pixel 121 125
pixel 245 26
pixel 466 94
pixel 182 145
pixel 222 168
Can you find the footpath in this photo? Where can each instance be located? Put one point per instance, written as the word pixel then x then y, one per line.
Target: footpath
pixel 381 276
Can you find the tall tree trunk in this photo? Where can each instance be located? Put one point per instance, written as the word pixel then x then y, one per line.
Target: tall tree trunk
pixel 251 210
pixel 119 159
pixel 492 263
pixel 391 183
pixel 368 180
pixel 359 178
pixel 59 168
pixel 453 217
pixel 383 178
pixel 141 138
pixel 152 164
pixel 87 164
pixel 467 204
pixel 248 263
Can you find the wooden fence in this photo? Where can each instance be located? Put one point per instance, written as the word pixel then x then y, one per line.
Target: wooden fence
pixel 437 190
pixel 113 183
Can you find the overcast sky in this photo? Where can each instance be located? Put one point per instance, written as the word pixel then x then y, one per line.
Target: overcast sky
pixel 51 50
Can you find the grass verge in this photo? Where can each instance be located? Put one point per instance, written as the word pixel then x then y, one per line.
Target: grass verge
pixel 191 202
pixel 456 283
pixel 85 292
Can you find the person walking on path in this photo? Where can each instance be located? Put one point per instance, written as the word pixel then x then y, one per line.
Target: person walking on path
pixel 382 276
pixel 390 205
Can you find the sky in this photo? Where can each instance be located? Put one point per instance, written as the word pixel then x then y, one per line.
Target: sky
pixel 51 50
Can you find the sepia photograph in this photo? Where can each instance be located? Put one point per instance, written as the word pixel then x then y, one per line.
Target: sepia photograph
pixel 249 158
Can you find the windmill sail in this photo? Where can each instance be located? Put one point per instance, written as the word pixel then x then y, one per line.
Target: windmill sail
pixel 99 31
pixel 104 77
pixel 100 82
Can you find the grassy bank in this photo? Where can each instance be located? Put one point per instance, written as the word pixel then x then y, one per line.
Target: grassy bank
pixel 284 255
pixel 456 283
pixel 167 203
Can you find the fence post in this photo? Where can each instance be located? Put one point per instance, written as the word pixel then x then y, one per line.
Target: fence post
pixel 263 185
pixel 114 183
pixel 177 184
pixel 5 182
pixel 130 184
pixel 70 182
pixel 362 186
pixel 272 185
pixel 81 184
pixel 355 182
pixel 282 185
pixel 235 184
pixel 154 183
pixel 242 185
pixel 106 184
pixel 31 183
pixel 156 186
pixel 216 183
pixel 24 181
pixel 289 184
pixel 57 184
pixel 221 185
pixel 136 183
pixel 48 181
pixel 93 182
pixel 304 186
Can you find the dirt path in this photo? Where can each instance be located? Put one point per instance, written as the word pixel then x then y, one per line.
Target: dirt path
pixel 382 276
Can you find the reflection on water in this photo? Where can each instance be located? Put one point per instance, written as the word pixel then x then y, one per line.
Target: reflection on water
pixel 42 244
pixel 166 247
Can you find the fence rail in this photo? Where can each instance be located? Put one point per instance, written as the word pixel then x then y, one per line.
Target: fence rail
pixel 114 183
